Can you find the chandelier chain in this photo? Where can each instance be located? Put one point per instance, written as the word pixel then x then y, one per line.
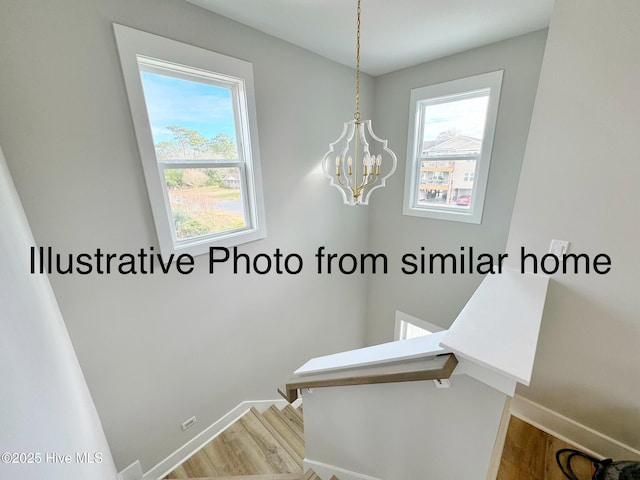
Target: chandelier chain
pixel 354 163
pixel 356 116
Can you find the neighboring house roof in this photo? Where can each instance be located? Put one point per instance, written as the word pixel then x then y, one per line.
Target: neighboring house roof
pixel 427 144
pixel 458 145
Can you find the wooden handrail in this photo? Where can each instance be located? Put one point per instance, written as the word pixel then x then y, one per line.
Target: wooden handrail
pixel 432 368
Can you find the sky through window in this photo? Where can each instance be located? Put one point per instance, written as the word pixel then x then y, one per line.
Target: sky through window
pixel 206 108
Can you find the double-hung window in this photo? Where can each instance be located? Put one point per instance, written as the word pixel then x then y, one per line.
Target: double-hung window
pixel 194 116
pixel 451 128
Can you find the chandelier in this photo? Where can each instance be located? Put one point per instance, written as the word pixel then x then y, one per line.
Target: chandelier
pixel 352 164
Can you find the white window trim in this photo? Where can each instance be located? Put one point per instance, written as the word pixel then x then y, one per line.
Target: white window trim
pixel 134 45
pixel 462 86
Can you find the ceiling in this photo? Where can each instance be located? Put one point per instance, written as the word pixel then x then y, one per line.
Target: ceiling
pixel 394 33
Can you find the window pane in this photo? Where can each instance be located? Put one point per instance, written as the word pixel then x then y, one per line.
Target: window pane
pixel 453 127
pixel 446 183
pixel 194 115
pixel 412 331
pixel 205 200
pixel 189 119
pixel 455 130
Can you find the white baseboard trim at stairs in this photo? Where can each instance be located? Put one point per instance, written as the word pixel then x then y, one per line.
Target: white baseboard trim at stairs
pixel 325 471
pixel 134 471
pixel 561 427
pixel 570 431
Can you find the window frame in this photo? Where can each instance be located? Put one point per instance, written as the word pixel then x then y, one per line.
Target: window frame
pixel 140 51
pixel 421 98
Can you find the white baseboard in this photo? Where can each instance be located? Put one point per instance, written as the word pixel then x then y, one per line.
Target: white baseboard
pixel 561 427
pixel 325 471
pixel 196 443
pixel 132 472
pixel 570 431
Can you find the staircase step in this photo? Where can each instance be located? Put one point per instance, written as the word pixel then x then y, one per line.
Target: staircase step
pixel 257 446
pixel 275 476
pixel 294 425
pixel 294 416
pixel 245 448
pixel 283 440
pixel 311 475
pixel 289 434
pixel 277 456
pixel 221 456
pixel 195 466
pixel 234 452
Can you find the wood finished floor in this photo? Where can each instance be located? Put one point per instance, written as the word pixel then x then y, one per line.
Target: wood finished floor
pixel 270 446
pixel 258 446
pixel 529 454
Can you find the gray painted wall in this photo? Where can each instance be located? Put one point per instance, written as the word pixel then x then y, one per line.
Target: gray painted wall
pixel 46 405
pixel 578 183
pixel 156 350
pixel 439 298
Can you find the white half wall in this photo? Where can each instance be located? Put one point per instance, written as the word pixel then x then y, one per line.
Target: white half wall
pixel 46 406
pixel 404 431
pixel 579 183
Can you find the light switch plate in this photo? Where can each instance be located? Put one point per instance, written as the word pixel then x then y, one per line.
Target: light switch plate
pixel 559 247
